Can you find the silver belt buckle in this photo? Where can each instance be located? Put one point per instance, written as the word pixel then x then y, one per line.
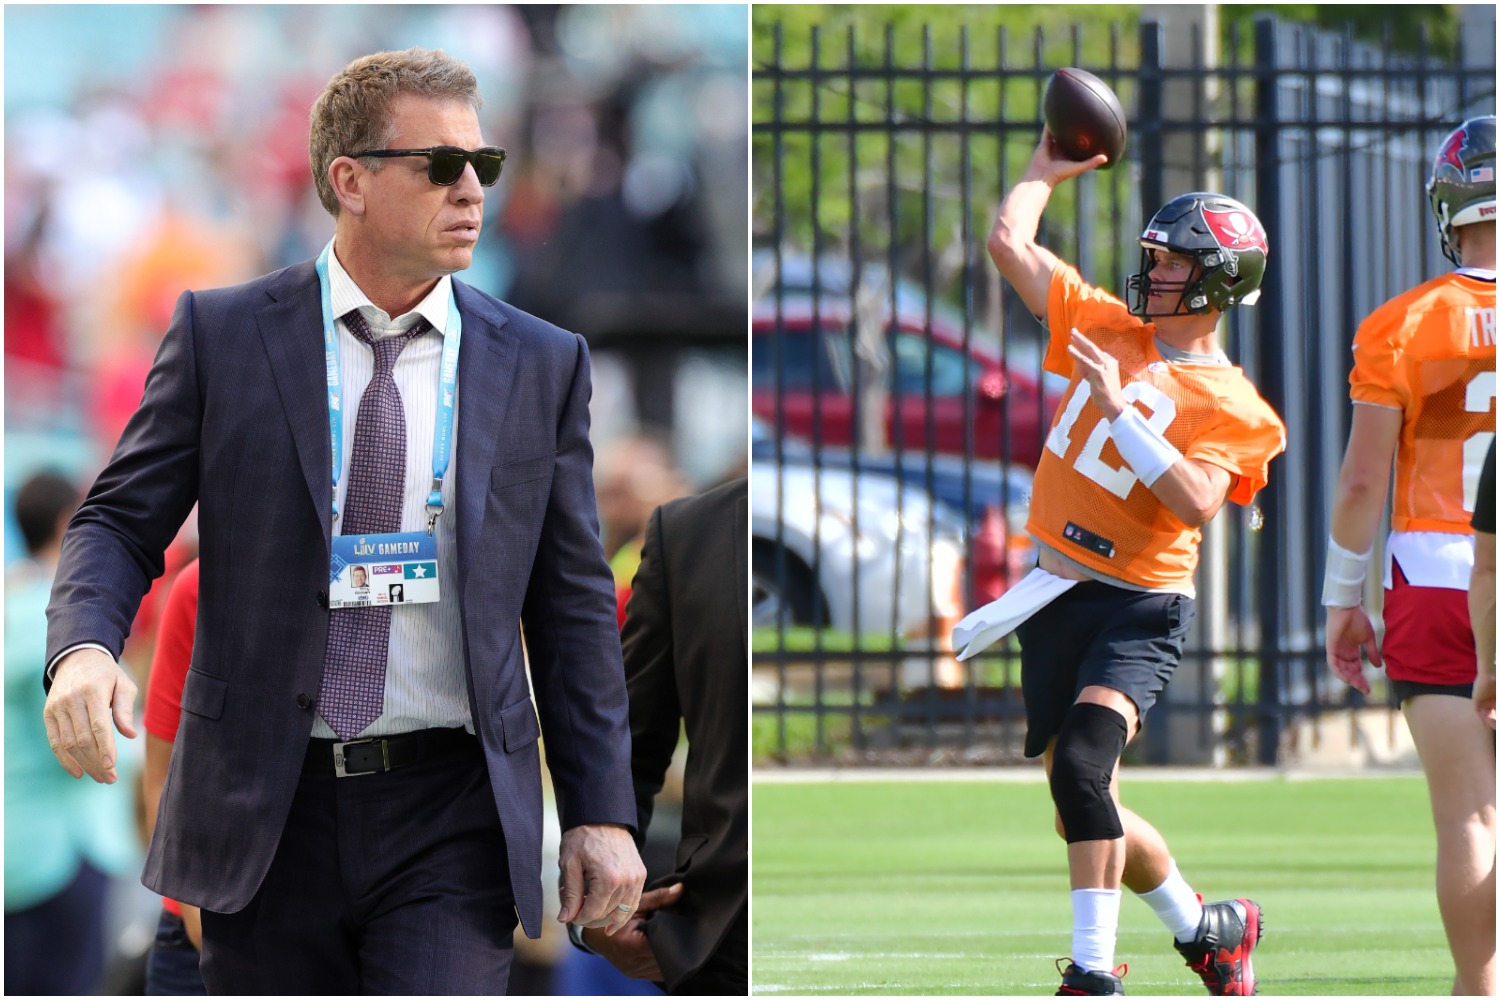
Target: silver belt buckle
pixel 338 756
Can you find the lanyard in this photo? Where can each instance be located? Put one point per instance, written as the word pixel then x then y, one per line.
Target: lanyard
pixel 442 431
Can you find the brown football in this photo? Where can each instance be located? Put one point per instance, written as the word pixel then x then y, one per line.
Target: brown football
pixel 1084 116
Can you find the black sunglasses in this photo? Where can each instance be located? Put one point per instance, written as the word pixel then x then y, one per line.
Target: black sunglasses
pixel 445 164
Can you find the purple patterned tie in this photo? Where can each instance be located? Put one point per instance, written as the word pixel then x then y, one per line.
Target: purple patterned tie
pixel 353 692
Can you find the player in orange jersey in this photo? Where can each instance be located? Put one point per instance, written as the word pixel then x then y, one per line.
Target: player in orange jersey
pixel 1424 391
pixel 1157 430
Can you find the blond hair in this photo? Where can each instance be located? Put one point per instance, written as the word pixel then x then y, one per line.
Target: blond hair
pixel 354 111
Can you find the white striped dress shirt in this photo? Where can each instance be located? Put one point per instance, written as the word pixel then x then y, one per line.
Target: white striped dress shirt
pixel 424 677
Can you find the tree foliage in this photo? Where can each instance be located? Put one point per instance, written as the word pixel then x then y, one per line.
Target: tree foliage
pixel 891 155
pixel 1405 28
pixel 867 141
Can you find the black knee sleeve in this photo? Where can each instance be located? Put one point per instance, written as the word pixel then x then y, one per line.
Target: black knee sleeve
pixel 1088 746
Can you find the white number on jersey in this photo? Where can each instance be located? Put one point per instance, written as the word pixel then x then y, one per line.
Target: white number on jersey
pixel 1478 398
pixel 1122 480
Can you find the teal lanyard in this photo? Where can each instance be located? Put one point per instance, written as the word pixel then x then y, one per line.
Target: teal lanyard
pixel 442 431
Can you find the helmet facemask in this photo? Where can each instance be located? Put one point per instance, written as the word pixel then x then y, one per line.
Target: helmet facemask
pixel 1191 299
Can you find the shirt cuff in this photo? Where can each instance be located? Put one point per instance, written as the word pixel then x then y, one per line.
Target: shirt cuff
pixel 82 645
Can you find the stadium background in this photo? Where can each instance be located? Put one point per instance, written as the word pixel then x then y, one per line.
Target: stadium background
pixel 883 140
pixel 149 149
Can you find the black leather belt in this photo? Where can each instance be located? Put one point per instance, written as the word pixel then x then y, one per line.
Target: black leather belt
pixel 371 756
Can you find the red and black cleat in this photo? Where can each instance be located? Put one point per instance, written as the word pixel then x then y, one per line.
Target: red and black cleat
pixel 1077 983
pixel 1220 954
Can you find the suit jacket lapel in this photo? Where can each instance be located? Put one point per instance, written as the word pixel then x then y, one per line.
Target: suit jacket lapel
pixel 291 329
pixel 486 366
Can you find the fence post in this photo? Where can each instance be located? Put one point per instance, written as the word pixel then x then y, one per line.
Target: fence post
pixel 1476 44
pixel 1272 383
pixel 1186 37
pixel 1149 145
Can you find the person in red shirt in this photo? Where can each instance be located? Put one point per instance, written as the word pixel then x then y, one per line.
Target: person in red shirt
pixel 172 967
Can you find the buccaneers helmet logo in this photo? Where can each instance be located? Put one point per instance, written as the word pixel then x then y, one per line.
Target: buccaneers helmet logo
pixel 1236 230
pixel 1449 152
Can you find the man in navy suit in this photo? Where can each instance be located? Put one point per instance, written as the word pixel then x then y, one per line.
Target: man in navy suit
pixel 354 797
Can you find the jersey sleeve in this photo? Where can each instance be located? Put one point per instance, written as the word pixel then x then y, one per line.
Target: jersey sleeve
pixel 1243 438
pixel 1484 500
pixel 1074 303
pixel 1376 377
pixel 174 651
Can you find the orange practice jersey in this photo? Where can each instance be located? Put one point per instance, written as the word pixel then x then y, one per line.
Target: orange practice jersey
pixel 1431 354
pixel 1086 502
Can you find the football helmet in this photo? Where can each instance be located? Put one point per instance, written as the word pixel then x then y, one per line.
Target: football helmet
pixel 1461 189
pixel 1228 246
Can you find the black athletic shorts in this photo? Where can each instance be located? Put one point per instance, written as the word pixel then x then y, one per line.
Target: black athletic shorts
pixel 1407 689
pixel 1096 634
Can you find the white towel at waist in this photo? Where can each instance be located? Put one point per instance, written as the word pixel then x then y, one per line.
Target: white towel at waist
pixel 983 627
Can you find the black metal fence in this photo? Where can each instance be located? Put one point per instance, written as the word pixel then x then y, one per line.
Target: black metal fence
pixel 886 348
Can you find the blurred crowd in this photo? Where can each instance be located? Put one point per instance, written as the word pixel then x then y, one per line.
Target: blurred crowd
pixel 178 159
pixel 155 149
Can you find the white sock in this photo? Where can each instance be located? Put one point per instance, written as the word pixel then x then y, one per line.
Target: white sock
pixel 1175 903
pixel 1096 922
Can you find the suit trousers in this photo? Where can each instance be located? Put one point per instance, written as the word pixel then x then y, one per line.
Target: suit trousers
pixel 393 883
pixel 726 973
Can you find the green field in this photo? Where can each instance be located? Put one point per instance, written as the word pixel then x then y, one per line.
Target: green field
pixel 960 887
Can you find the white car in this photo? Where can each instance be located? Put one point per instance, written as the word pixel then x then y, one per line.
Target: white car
pixel 843 534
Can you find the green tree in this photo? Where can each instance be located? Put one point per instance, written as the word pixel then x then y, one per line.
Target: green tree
pixel 1401 26
pixel 881 144
pixel 865 137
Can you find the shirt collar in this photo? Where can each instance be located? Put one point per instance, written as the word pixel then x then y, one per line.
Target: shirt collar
pixel 1481 273
pixel 344 295
pixel 1187 357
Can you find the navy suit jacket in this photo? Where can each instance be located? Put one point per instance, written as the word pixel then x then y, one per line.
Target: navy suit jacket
pixel 235 419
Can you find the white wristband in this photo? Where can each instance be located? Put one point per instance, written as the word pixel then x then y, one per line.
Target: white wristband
pixel 1142 446
pixel 1344 577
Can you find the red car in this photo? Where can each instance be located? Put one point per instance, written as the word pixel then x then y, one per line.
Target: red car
pixel 817 368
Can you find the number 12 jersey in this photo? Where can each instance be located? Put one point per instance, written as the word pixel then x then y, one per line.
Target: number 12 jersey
pixel 1087 503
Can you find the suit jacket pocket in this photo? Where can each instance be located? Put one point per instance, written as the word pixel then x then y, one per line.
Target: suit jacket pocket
pixel 527 470
pixel 203 694
pixel 518 726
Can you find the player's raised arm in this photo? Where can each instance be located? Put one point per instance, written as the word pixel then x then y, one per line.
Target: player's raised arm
pixel 1012 243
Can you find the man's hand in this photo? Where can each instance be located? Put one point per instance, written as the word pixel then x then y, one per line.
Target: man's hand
pixel 1050 165
pixel 1484 697
pixel 1349 631
pixel 89 692
pixel 630 949
pixel 601 872
pixel 1102 372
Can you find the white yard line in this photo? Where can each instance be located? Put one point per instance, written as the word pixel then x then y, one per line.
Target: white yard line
pixel 1031 775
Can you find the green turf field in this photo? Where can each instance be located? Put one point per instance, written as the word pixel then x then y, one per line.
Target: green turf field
pixel 961 887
